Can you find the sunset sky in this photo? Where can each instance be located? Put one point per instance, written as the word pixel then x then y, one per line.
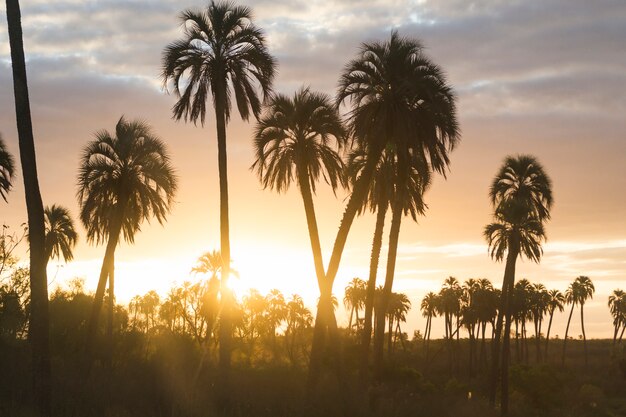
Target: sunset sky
pixel 545 78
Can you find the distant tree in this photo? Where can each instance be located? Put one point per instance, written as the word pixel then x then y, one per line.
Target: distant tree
pixel 429 307
pixel 354 299
pixel 150 307
pixel 521 195
pixel 61 235
pixel 577 294
pixel 299 320
pixel 7 169
pixel 486 300
pixel 617 306
pixel 397 310
pixel 210 263
pixel 39 328
pixel 539 299
pixel 222 55
pixel 556 301
pixel 124 178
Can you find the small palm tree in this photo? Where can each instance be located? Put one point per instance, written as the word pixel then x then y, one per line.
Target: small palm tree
pixel 556 301
pixel 617 306
pixel 521 194
pixel 397 309
pixel 429 307
pixel 61 236
pixel 354 299
pixel 577 294
pixel 7 169
pixel 210 263
pixel 222 55
pixel 124 179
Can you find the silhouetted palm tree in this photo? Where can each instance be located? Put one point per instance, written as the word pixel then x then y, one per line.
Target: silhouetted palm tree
pixel 354 299
pixel 61 236
pixel 400 98
pixel 124 179
pixel 521 194
pixel 429 307
pixel 577 293
pixel 617 306
pixel 38 329
pixel 398 307
pixel 210 263
pixel 7 168
pixel 222 55
pixel 556 301
pixel 295 140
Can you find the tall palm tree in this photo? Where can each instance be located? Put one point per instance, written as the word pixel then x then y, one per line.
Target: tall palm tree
pixel 7 168
pixel 39 323
pixel 617 306
pixel 521 194
pixel 61 235
pixel 297 139
pixel 556 301
pixel 577 294
pixel 124 179
pixel 222 54
pixel 397 96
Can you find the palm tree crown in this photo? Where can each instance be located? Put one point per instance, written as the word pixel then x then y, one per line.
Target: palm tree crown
pixel 221 50
pixel 580 290
pixel 7 168
pixel 399 96
pixel 128 171
pixel 299 134
pixel 61 236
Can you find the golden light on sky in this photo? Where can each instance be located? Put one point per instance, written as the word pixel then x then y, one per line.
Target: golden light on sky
pixel 524 85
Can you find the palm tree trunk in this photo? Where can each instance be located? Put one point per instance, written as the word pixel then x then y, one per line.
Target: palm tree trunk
pixel 371 291
pixel 582 325
pixel 225 329
pixel 350 321
pixel 390 336
pixel 548 334
pixel 354 203
pixel 394 234
pixel 111 310
pixel 504 310
pixel 566 332
pixel 622 333
pixel 39 326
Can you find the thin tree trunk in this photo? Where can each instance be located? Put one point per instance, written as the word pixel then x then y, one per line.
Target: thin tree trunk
pixel 622 333
pixel 548 334
pixel 394 234
pixel 354 204
pixel 226 327
pixel 582 325
pixel 111 311
pixel 39 321
pixel 566 332
pixel 350 321
pixel 505 301
pixel 107 265
pixel 506 351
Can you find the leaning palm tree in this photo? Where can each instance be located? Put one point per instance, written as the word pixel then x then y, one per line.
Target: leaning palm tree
pixel 298 139
pixel 61 235
pixel 222 55
pixel 521 194
pixel 124 179
pixel 7 168
pixel 38 330
pixel 399 99
pixel 556 301
pixel 577 293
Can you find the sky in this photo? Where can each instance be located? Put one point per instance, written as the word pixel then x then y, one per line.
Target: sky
pixel 543 78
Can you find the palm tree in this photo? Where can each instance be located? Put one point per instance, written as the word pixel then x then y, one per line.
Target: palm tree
pixel 295 140
pixel 124 178
pixel 38 327
pixel 398 96
pixel 354 299
pixel 486 301
pixel 210 263
pixel 61 236
pixel 521 194
pixel 429 307
pixel 397 309
pixel 222 55
pixel 577 293
pixel 7 168
pixel 556 300
pixel 617 306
